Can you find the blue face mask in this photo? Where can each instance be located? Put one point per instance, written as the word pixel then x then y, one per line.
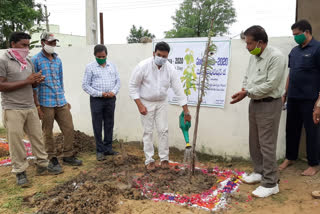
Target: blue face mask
pixel 160 60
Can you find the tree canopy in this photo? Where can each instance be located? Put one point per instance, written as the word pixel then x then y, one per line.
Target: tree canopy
pixel 18 15
pixel 136 35
pixel 193 18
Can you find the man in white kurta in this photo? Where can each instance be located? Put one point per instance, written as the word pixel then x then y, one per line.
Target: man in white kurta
pixel 148 87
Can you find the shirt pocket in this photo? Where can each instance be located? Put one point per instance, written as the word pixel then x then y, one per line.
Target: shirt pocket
pixel 260 76
pixel 306 61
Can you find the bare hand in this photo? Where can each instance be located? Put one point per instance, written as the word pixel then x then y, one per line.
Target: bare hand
pixel 187 118
pixel 316 115
pixel 142 109
pixel 40 113
pixel 238 96
pixel 41 79
pixel 33 78
pixel 111 94
pixel 69 105
pixel 284 99
pixel 104 94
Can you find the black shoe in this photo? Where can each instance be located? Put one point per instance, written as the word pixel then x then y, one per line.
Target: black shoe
pixel 100 157
pixel 112 152
pixel 54 167
pixel 72 161
pixel 42 170
pixel 22 179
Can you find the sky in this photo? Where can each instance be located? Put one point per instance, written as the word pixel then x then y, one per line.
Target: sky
pixel 276 16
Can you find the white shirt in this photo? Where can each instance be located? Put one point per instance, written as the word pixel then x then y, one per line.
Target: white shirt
pixel 149 83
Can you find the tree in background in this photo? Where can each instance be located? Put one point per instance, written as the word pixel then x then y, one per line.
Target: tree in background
pixel 18 15
pixel 137 35
pixel 193 18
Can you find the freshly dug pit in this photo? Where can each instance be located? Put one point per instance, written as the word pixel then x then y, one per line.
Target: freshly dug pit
pixel 176 181
pixel 124 176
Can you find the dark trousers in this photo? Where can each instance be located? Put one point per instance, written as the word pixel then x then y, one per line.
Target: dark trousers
pixel 102 113
pixel 299 112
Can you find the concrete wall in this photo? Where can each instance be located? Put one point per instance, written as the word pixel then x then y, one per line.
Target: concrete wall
pixel 309 9
pixel 221 131
pixel 65 40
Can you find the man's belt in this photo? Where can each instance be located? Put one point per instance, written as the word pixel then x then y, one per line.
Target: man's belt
pixel 267 99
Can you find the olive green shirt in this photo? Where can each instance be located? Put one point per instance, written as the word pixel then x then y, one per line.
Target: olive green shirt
pixel 265 76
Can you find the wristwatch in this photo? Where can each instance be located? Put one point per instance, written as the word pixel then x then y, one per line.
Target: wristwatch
pixel 247 94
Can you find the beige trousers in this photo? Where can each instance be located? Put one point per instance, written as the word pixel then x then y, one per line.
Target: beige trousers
pixel 18 123
pixel 264 118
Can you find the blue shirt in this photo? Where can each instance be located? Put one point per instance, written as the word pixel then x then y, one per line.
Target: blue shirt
pixel 98 79
pixel 51 90
pixel 304 76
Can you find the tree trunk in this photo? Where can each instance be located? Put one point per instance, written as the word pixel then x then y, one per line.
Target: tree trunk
pixel 201 93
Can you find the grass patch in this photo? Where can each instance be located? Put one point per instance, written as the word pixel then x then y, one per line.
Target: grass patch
pixel 3 131
pixel 9 189
pixel 13 204
pixel 280 198
pixel 14 190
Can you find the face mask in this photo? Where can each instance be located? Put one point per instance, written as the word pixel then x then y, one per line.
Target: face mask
pixel 23 52
pixel 49 49
pixel 160 60
pixel 256 51
pixel 101 61
pixel 300 38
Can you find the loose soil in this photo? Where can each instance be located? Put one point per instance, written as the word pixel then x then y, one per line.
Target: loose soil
pixel 100 189
pixel 115 175
pixel 177 181
pixel 82 142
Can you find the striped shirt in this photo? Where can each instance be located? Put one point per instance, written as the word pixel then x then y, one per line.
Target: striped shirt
pixel 98 79
pixel 51 90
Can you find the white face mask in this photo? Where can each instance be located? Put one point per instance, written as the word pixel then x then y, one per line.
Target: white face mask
pixel 160 61
pixel 49 49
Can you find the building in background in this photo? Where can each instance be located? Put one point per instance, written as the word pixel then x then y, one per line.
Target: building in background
pixel 65 40
pixel 309 10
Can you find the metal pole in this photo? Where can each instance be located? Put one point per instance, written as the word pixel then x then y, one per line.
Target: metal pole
pixel 297 15
pixel 101 29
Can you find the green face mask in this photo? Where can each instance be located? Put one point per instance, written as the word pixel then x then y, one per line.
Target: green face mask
pixel 300 38
pixel 256 51
pixel 101 61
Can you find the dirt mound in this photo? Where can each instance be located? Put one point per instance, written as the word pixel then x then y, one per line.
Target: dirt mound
pixel 121 176
pixel 80 195
pixel 82 142
pixel 176 181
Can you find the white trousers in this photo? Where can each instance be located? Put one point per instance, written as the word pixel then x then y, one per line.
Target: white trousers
pixel 158 115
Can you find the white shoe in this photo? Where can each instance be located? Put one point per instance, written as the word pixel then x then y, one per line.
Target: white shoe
pixel 253 178
pixel 262 192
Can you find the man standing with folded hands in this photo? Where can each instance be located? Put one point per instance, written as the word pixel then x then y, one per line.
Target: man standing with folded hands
pixel 101 81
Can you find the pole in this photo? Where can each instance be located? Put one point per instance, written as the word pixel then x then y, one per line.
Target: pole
pixel 46 17
pixel 91 22
pixel 101 29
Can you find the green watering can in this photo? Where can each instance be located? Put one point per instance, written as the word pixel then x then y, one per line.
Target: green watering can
pixel 185 128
